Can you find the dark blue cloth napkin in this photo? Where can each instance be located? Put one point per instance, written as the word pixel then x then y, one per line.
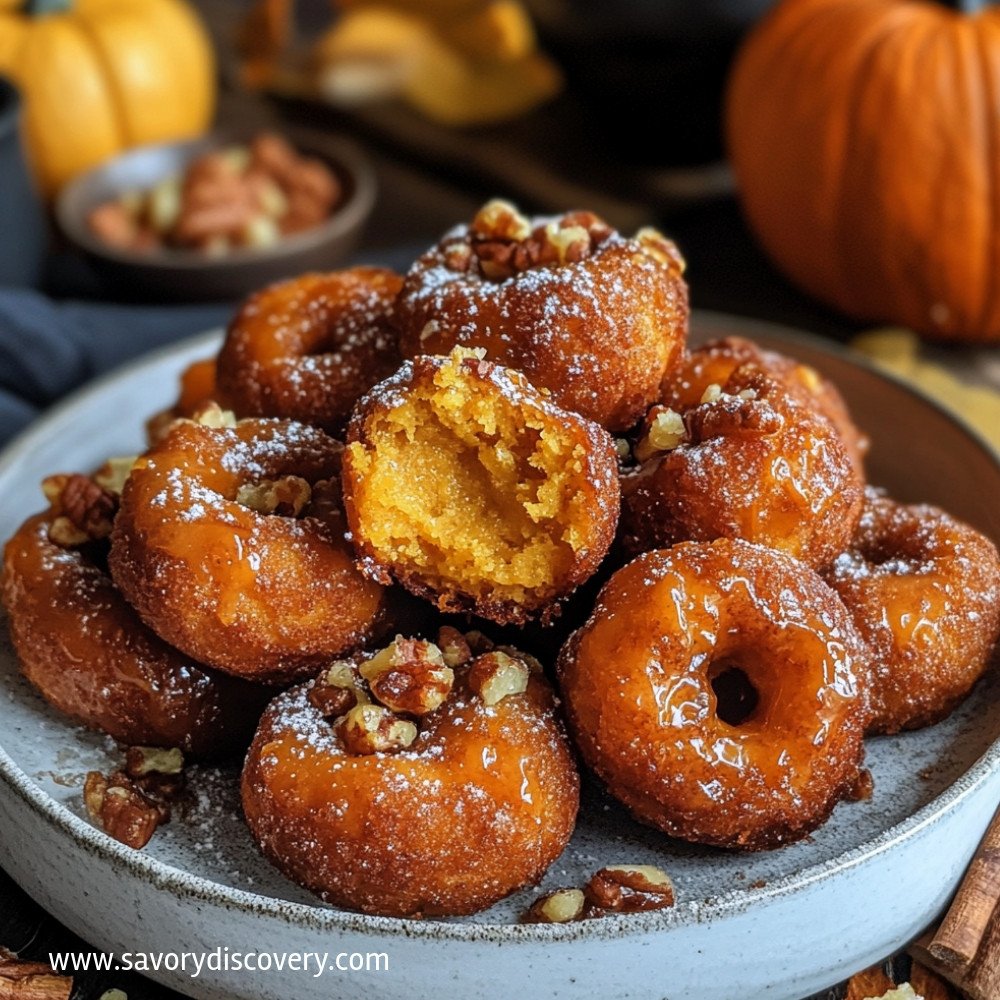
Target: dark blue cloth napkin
pixel 48 348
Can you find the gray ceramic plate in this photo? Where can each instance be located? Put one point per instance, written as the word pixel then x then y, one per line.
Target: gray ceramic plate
pixel 779 925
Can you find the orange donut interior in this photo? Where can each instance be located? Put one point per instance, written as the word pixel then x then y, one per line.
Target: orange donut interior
pixel 468 483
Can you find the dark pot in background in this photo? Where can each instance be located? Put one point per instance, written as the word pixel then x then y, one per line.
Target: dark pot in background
pixel 652 72
pixel 24 238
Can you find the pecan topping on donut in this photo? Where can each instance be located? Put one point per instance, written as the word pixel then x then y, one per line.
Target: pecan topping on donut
pixel 332 701
pixel 213 415
pixel 504 242
pixel 495 675
pixel 663 430
pixel 84 510
pixel 409 675
pixel 112 475
pixel 337 690
pixel 559 907
pixel 368 729
pixel 122 809
pixel 455 647
pixel 739 415
pixel 287 497
pixel 630 889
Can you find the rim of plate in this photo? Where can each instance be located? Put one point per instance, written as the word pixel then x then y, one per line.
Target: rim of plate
pixel 184 884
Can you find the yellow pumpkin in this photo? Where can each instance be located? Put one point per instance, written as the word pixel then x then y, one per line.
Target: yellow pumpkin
pixel 863 135
pixel 101 76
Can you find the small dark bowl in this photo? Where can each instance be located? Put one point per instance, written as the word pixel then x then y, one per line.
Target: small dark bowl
pixel 188 275
pixel 26 236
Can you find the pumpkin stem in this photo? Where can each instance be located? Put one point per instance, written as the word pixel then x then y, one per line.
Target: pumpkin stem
pixel 38 8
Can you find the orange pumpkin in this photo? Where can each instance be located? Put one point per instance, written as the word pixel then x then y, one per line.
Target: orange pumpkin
pixel 865 139
pixel 100 76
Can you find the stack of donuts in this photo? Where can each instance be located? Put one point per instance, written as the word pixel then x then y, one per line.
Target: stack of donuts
pixel 423 542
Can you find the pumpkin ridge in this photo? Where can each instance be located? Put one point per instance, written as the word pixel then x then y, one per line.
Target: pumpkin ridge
pixel 125 138
pixel 988 318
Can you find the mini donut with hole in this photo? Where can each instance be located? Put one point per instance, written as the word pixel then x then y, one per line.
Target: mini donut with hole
pixel 86 651
pixel 594 317
pixel 306 349
pixel 720 691
pixel 473 489
pixel 924 591
pixel 230 544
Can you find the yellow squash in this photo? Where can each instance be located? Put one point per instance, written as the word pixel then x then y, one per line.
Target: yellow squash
pixel 100 76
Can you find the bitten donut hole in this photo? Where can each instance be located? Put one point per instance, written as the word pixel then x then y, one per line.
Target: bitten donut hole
pixel 474 488
pixel 736 698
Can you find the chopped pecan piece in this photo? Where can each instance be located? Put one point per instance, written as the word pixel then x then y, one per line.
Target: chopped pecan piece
pixel 454 646
pixel 122 809
pixel 497 675
pixel 22 980
pixel 84 510
pixel 368 729
pixel 559 907
pixel 331 701
pixel 409 675
pixel 630 889
pixel 287 497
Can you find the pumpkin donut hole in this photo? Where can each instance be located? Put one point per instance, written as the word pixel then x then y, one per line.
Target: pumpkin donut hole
pixel 439 814
pixel 472 489
pixel 87 652
pixel 748 460
pixel 594 317
pixel 713 364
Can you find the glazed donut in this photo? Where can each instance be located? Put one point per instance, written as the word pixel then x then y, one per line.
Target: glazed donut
pixel 593 317
pixel 308 348
pixel 718 691
pixel 231 548
pixel 713 363
pixel 924 592
pixel 472 489
pixel 749 462
pixel 444 815
pixel 87 652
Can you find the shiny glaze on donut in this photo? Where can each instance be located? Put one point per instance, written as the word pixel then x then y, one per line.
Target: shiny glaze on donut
pixel 87 652
pixel 260 596
pixel 764 469
pixel 715 362
pixel 480 805
pixel 924 591
pixel 637 681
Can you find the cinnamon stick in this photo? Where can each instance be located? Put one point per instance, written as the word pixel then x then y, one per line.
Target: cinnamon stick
pixel 982 980
pixel 30 980
pixel 870 983
pixel 929 985
pixel 961 933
